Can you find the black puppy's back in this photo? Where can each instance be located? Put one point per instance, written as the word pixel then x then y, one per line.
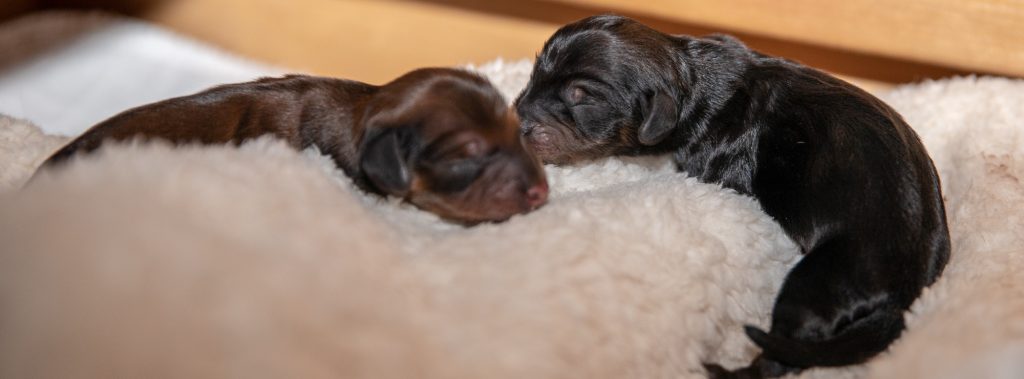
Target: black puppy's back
pixel 851 183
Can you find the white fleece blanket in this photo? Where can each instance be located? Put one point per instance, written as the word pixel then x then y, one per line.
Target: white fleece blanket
pixel 208 262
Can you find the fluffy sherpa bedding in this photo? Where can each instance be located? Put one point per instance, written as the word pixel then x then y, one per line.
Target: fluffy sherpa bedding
pixel 263 262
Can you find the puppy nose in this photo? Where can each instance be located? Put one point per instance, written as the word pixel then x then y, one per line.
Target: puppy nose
pixel 537 195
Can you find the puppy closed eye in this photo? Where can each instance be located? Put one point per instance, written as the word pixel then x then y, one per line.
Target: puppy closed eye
pixel 467 150
pixel 473 149
pixel 456 170
pixel 576 95
pixel 459 148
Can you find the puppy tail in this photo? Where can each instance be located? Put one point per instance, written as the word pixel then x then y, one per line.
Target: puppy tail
pixel 856 343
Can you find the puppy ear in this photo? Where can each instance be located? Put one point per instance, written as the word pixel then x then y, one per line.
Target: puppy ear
pixel 383 161
pixel 660 117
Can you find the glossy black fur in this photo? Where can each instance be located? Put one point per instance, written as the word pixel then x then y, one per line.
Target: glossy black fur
pixel 844 175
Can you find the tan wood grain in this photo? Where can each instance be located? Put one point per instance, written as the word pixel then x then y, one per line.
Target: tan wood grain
pixel 375 41
pixel 372 41
pixel 985 35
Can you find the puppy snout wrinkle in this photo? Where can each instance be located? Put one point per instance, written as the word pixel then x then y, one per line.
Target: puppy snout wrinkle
pixel 528 127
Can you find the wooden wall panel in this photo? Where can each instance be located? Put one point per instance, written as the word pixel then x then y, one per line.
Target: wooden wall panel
pixel 372 41
pixel 984 35
pixel 376 40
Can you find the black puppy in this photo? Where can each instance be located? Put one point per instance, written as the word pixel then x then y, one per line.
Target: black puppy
pixel 442 139
pixel 843 174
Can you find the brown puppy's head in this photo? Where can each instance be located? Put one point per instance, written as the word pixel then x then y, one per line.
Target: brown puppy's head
pixel 445 140
pixel 605 85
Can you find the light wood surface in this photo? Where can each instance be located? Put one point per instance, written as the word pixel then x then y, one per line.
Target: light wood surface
pixel 877 40
pixel 373 41
pixel 986 35
pixel 872 45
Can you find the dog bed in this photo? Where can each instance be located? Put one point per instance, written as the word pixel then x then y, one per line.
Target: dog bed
pixel 261 261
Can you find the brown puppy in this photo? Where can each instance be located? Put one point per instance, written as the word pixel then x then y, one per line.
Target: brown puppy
pixel 441 139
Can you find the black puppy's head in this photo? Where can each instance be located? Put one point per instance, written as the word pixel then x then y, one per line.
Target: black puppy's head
pixel 446 141
pixel 604 85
